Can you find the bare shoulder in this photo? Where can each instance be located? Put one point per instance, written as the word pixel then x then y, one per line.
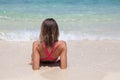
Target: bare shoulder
pixel 37 44
pixel 62 44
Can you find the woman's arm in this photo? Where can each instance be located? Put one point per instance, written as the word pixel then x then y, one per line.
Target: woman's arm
pixel 63 56
pixel 35 56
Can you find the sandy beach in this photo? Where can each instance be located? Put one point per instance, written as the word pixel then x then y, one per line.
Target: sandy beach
pixel 87 60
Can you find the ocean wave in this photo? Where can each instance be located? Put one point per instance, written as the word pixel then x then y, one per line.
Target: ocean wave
pixel 34 35
pixel 18 35
pixel 5 17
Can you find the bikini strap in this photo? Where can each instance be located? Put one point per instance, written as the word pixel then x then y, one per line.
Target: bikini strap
pixel 46 50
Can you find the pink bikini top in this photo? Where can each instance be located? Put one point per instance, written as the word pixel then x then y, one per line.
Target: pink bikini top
pixel 49 55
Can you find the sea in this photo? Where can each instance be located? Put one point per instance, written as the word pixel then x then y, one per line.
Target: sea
pixel 20 20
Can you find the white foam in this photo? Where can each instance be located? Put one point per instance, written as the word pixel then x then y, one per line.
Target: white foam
pixel 19 35
pixel 84 36
pixel 5 17
pixel 26 35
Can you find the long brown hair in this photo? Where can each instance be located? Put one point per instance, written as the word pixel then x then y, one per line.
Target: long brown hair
pixel 49 32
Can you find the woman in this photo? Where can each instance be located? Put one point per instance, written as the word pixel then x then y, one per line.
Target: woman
pixel 49 48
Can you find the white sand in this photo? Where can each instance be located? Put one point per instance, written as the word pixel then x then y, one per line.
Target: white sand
pixel 87 60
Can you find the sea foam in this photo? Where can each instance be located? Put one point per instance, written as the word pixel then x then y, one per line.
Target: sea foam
pixel 27 35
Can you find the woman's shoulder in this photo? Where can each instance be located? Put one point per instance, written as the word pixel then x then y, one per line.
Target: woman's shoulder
pixel 37 44
pixel 61 43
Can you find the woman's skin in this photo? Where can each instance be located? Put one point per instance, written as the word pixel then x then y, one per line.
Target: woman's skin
pixel 38 52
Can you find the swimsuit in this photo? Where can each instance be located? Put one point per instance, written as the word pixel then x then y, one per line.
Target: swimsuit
pixel 49 55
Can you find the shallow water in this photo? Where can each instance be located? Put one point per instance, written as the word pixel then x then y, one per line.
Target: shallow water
pixel 77 19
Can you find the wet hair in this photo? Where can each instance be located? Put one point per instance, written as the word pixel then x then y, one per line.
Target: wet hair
pixel 49 32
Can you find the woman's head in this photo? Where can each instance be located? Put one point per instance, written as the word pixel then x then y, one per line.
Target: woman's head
pixel 49 31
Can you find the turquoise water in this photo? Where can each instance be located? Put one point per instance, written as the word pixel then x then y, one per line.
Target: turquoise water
pixel 77 19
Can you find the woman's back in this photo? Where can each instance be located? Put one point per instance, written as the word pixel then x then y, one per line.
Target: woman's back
pixel 49 48
pixel 50 53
